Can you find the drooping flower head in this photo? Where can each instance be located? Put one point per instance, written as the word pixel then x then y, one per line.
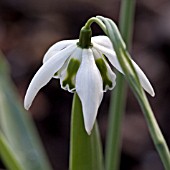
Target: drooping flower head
pixel 82 67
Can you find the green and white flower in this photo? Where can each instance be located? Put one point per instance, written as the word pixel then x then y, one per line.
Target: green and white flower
pixel 82 70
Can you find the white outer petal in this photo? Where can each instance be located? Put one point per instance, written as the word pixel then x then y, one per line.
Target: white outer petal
pixel 89 88
pixel 144 80
pixel 57 47
pixel 114 61
pixel 103 41
pixel 45 73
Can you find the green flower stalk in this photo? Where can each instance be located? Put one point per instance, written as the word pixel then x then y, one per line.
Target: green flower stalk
pixel 135 81
pixel 118 96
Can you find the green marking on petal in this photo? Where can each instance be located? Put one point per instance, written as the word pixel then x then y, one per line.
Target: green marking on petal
pixel 103 71
pixel 72 69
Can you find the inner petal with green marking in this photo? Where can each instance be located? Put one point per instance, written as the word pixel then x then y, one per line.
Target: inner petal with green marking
pixel 107 82
pixel 72 69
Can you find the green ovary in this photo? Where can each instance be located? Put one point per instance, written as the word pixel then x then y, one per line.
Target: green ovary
pixel 103 71
pixel 72 69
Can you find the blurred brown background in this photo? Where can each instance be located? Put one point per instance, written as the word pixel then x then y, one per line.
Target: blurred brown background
pixel 28 28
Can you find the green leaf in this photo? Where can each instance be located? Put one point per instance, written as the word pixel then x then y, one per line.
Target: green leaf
pixel 18 128
pixel 132 77
pixel 85 150
pixel 7 154
pixel 118 95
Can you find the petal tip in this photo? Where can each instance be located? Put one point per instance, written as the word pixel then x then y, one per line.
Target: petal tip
pixel 26 105
pixel 152 93
pixel 150 90
pixel 88 126
pixel 88 130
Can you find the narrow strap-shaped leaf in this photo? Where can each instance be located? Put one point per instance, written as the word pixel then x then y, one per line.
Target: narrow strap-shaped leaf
pixel 18 128
pixel 7 155
pixel 133 80
pixel 118 95
pixel 85 150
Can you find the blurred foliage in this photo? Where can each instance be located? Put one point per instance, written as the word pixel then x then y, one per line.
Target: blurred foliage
pixel 17 126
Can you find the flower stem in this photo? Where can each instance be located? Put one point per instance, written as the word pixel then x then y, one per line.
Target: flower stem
pixel 155 131
pixel 85 38
pixel 117 103
pixel 133 80
pixel 97 21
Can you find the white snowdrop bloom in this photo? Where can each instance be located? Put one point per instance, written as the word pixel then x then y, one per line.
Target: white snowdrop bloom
pixel 82 70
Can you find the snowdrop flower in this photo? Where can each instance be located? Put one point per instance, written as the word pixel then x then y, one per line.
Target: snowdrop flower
pixel 82 67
